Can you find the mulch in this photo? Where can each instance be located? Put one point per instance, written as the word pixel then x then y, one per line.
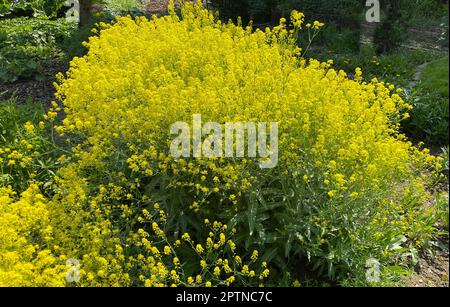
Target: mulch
pixel 37 90
pixel 157 6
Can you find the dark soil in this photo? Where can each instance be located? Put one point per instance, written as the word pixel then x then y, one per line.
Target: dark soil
pixel 431 271
pixel 157 6
pixel 42 91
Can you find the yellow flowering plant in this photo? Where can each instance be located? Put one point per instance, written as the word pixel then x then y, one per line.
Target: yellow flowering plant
pixel 26 152
pixel 348 186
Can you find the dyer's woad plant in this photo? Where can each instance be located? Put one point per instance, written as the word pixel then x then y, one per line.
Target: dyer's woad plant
pixel 347 189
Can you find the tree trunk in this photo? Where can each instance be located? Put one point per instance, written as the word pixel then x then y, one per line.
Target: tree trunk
pixel 85 11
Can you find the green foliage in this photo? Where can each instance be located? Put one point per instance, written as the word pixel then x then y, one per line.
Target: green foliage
pixel 342 32
pixel 400 15
pixel 28 143
pixel 232 9
pixel 341 41
pixel 48 8
pixel 342 18
pixel 296 225
pixel 8 6
pixel 124 7
pixel 345 13
pixel 442 202
pixel 14 116
pixel 445 175
pixel 435 77
pixel 445 157
pixel 426 11
pixel 443 37
pixel 73 44
pixel 27 43
pixel 398 67
pixel 391 33
pixel 389 36
pixel 263 10
pixel 430 116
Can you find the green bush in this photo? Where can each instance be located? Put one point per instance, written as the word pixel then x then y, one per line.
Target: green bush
pixel 391 33
pixel 435 77
pixel 124 7
pixel 429 118
pixel 342 32
pixel 426 11
pixel 398 67
pixel 49 8
pixel 13 116
pixel 232 9
pixel 73 46
pixel 341 41
pixel 26 44
pixel 345 13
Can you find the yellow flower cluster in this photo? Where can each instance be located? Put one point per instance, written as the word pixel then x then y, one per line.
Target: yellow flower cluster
pixel 159 263
pixel 18 159
pixel 39 237
pixel 25 232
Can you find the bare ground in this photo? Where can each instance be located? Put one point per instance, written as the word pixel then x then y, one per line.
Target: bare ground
pixel 42 91
pixel 431 271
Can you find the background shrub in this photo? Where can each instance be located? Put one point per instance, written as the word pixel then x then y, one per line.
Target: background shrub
pixel 430 116
pixel 26 44
pixel 124 7
pixel 346 17
pixel 47 8
pixel 429 120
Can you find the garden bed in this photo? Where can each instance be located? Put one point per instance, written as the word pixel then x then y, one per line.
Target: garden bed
pixel 36 90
